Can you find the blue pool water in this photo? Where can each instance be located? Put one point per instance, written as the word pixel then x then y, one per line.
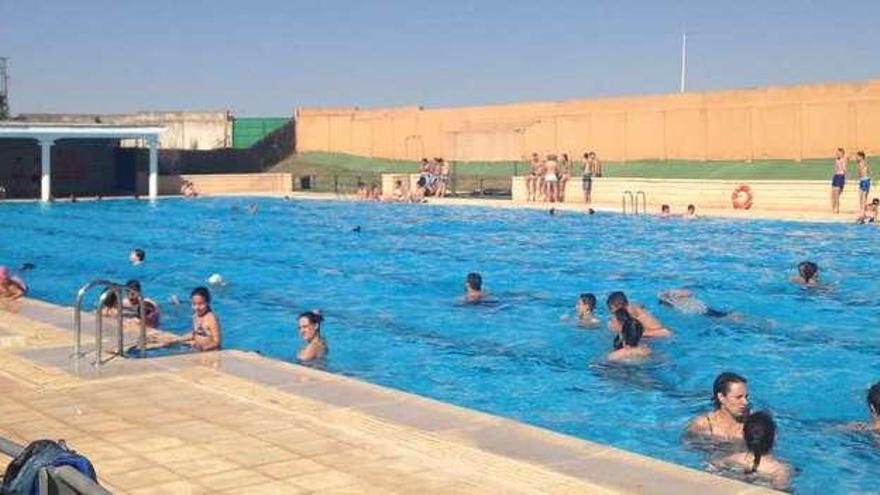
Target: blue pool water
pixel 391 295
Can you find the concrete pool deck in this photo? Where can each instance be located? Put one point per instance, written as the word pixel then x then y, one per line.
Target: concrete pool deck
pixel 236 422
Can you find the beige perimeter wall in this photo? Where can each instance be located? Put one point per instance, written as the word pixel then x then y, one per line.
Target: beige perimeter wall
pixel 791 122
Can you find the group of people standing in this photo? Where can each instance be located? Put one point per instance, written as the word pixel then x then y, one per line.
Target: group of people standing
pixel 549 176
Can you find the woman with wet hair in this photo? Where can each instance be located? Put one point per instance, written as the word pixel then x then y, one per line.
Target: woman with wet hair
pixel 310 331
pixel 758 462
pixel 627 345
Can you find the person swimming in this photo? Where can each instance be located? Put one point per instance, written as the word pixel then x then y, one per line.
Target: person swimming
pixel 137 256
pixel 683 300
pixel 759 434
pixel 473 288
pixel 627 341
pixel 808 274
pixel 874 406
pixel 730 395
pixel 206 334
pixel 151 309
pixel 653 328
pixel 586 304
pixel 310 331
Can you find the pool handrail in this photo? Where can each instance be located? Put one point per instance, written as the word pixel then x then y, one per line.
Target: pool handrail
pixel 628 194
pixel 644 202
pixel 119 290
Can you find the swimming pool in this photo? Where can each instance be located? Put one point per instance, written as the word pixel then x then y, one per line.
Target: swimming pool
pixel 391 294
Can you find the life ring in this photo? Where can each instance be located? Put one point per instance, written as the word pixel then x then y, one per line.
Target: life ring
pixel 742 197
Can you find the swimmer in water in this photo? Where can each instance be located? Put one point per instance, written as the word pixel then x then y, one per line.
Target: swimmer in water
pixel 759 434
pixel 627 345
pixel 252 208
pixel 730 394
pixel 664 211
pixel 808 274
pixel 206 334
pixel 653 327
pixel 137 256
pixel 310 331
pixel 684 301
pixel 151 309
pixel 586 304
pixel 473 288
pixel 874 406
pixel 691 212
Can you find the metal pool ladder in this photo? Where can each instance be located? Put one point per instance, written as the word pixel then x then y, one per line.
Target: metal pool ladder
pixel 120 290
pixel 634 201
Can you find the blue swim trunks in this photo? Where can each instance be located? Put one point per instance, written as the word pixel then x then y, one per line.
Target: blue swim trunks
pixel 838 180
pixel 865 184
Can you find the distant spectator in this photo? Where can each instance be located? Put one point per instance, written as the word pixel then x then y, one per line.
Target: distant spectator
pixel 564 176
pixel 534 180
pixel 664 211
pixel 838 180
pixel 864 180
pixel 443 178
pixel 691 212
pixel 587 179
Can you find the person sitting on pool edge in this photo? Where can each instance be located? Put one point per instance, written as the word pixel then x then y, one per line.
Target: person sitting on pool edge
pixel 11 286
pixel 310 331
pixel 206 334
pixel 869 212
pixel 627 341
pixel 730 394
pixel 808 274
pixel 684 301
pixel 759 435
pixel 653 328
pixel 586 304
pixel 473 288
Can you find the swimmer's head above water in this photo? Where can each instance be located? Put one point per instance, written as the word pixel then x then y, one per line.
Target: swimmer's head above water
pixel 310 325
pixel 874 400
pixel 137 256
pixel 808 271
pixel 474 282
pixel 201 300
pixel 730 393
pixel 587 302
pixel 616 300
pixel 759 433
pixel 629 329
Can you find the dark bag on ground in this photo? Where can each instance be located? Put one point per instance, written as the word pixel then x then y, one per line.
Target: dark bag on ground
pixel 23 473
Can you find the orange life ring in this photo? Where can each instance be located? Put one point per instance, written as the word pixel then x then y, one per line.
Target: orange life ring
pixel 742 197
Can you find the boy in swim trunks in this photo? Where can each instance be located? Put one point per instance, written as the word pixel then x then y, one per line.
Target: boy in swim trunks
pixel 838 180
pixel 532 178
pixel 587 179
pixel 864 180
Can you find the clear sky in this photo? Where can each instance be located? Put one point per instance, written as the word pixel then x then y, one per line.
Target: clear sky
pixel 268 57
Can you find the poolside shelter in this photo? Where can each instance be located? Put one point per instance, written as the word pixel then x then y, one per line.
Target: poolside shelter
pixel 47 134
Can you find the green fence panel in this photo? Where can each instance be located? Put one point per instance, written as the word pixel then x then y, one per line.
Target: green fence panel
pixel 249 131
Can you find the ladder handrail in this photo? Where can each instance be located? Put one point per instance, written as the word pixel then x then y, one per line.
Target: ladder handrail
pixel 631 199
pixel 119 290
pixel 644 202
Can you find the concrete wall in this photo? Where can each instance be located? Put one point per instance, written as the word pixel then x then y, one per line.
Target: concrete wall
pixel 222 183
pixel 768 195
pixel 793 122
pixel 185 130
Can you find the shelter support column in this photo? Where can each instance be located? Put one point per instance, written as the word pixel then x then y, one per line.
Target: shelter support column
pixel 153 142
pixel 46 169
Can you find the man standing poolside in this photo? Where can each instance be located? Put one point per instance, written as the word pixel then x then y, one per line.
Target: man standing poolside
pixel 838 180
